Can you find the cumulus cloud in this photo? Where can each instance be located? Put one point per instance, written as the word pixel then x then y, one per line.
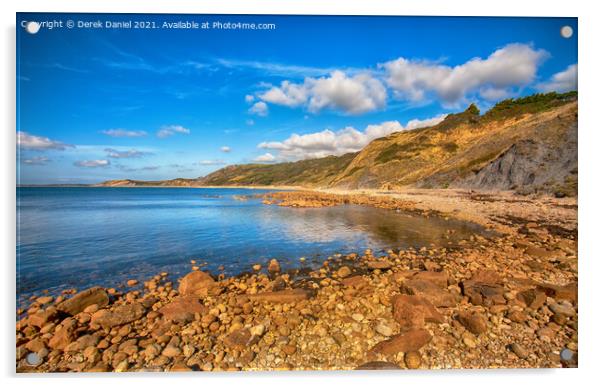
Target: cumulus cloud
pixel 133 153
pixel 352 94
pixel 259 108
pixel 36 161
pixel 124 133
pixel 225 149
pixel 92 163
pixel 168 131
pixel 27 141
pixel 346 140
pixel 513 65
pixel 249 98
pixel 267 157
pixel 561 81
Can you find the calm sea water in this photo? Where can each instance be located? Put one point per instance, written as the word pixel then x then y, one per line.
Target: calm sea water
pixel 79 237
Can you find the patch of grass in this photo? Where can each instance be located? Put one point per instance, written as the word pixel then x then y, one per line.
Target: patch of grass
pixel 527 105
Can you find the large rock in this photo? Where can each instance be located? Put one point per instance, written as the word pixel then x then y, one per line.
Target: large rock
pixel 357 282
pixel 560 292
pixel 198 283
pixel 42 317
pixel 412 311
pixel 182 309
pixel 485 287
pixel 119 315
pixel 532 298
pixel 240 339
pixel 63 335
pixel 438 278
pixel 274 266
pixel 412 340
pixel 473 321
pixel 285 296
pixel 379 264
pixel 430 291
pixel 80 301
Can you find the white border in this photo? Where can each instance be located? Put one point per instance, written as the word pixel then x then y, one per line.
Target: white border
pixel 590 253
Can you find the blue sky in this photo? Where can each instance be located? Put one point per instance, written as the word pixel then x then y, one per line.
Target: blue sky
pixel 98 104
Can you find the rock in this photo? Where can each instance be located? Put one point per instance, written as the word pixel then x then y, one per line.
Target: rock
pixel 559 292
pixel 378 365
pixel 64 335
pixel 256 267
pixel 119 315
pixel 485 287
pixel 285 296
pixel 274 266
pixel 519 350
pixel 438 278
pixel 412 360
pixel 343 272
pixel 182 309
pixel 469 340
pixel 384 329
pixel 289 349
pixel 240 339
pixel 132 282
pixel 41 318
pixel 380 264
pixel 562 309
pixel 412 311
pixel 473 321
pixel 257 330
pixel 80 301
pixel 534 299
pixel 171 351
pixel 44 300
pixel 357 282
pixel 412 340
pixel 517 316
pixel 357 317
pixel 198 283
pixel 35 345
pixel 430 291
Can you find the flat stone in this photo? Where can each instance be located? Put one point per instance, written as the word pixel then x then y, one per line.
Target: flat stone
pixel 41 318
pixel 379 264
pixel 118 316
pixel 430 291
pixel 357 282
pixel 473 321
pixel 198 283
pixel 412 311
pixel 240 339
pixel 80 301
pixel 533 298
pixel 182 309
pixel 559 292
pixel 412 340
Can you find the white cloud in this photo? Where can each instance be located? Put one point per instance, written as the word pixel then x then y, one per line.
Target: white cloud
pixel 267 157
pixel 92 163
pixel 513 65
pixel 124 133
pixel 347 140
pixel 561 81
pixel 353 95
pixel 36 161
pixel 168 131
pixel 249 98
pixel 27 141
pixel 225 149
pixel 259 108
pixel 133 153
pixel 211 162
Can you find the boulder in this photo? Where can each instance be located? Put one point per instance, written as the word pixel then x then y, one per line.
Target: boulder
pixel 80 301
pixel 182 309
pixel 532 298
pixel 412 340
pixel 63 335
pixel 430 291
pixel 379 264
pixel 438 278
pixel 357 282
pixel 274 266
pixel 412 311
pixel 285 296
pixel 41 318
pixel 198 283
pixel 485 287
pixel 119 315
pixel 560 292
pixel 473 321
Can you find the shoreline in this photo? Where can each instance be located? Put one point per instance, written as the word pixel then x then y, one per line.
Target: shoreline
pixel 504 301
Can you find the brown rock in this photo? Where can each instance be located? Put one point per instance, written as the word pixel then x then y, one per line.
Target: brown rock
pixel 35 345
pixel 357 282
pixel 438 278
pixel 344 271
pixel 40 318
pixel 473 321
pixel 132 282
pixel 285 296
pixel 519 350
pixel 80 301
pixel 182 309
pixel 430 291
pixel 240 339
pixel 412 311
pixel 412 340
pixel 517 316
pixel 119 315
pixel 379 264
pixel 274 266
pixel 534 299
pixel 378 365
pixel 559 292
pixel 198 283
pixel 63 335
pixel 485 287
pixel 413 360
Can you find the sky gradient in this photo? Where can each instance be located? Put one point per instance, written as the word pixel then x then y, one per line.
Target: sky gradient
pixel 99 104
